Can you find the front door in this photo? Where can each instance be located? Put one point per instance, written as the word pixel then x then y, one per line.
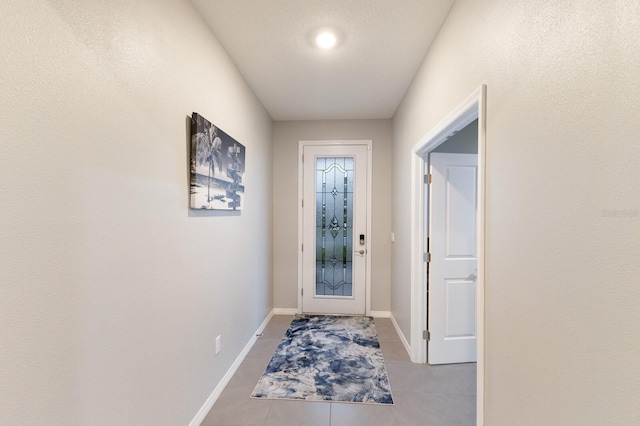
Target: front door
pixel 453 260
pixel 335 240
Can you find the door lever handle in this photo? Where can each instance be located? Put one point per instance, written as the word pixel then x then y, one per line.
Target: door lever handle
pixel 359 251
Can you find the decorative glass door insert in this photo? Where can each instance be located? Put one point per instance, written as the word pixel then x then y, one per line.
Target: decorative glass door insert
pixel 334 226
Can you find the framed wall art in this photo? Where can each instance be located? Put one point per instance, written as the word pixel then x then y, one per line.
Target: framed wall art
pixel 217 167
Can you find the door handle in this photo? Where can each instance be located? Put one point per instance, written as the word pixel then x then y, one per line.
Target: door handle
pixel 359 251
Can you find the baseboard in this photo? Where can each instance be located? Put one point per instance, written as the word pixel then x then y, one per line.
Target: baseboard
pixel 285 311
pixel 204 410
pixel 294 311
pixel 405 343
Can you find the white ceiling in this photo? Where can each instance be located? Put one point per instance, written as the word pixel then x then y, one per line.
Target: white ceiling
pixel 383 44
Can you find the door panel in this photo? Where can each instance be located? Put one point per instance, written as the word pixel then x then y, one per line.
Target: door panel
pixel 334 217
pixel 453 266
pixel 460 202
pixel 461 309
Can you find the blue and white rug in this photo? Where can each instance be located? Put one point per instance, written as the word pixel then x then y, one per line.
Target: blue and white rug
pixel 327 358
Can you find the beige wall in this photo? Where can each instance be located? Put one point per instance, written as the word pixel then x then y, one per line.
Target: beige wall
pixel 111 290
pixel 562 266
pixel 286 135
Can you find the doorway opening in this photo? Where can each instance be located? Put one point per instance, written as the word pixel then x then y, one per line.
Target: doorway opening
pixel 473 108
pixel 452 255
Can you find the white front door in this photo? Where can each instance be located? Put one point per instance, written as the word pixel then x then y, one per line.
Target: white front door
pixel 334 228
pixel 453 263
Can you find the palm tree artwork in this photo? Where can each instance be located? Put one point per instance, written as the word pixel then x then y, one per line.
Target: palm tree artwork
pixel 208 152
pixel 224 190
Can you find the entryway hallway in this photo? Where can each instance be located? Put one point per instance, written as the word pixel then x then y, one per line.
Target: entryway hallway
pixel 424 395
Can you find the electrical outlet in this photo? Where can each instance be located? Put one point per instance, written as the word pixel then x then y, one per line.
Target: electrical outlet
pixel 218 344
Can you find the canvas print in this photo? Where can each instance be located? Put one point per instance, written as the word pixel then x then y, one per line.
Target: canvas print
pixel 217 167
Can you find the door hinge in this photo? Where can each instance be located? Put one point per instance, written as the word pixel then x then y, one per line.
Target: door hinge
pixel 302 292
pixel 303 204
pixel 426 335
pixel 427 178
pixel 303 247
pixel 426 257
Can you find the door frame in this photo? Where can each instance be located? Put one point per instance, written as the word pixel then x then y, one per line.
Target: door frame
pixel 369 145
pixel 474 107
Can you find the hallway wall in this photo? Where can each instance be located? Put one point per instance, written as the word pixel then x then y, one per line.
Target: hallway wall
pixel 111 290
pixel 562 201
pixel 286 135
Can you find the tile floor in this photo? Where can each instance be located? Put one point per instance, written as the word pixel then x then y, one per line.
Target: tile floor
pixel 424 395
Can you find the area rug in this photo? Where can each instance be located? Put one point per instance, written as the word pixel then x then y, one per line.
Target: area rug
pixel 327 358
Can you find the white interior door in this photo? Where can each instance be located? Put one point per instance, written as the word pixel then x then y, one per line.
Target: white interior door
pixel 334 228
pixel 453 260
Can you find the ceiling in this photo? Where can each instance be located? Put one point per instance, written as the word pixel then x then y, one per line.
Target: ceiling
pixel 382 44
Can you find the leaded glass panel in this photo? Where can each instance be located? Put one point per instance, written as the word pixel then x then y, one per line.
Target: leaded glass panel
pixel 334 226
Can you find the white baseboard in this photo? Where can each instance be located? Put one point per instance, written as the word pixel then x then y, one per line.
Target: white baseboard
pixel 294 311
pixel 285 311
pixel 204 410
pixel 405 343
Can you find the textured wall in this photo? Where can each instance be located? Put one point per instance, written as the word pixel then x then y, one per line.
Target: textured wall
pixel 111 290
pixel 562 203
pixel 286 135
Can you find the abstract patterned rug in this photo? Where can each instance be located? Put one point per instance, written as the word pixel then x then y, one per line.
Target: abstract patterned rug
pixel 327 358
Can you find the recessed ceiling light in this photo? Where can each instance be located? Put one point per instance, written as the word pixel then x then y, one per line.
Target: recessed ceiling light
pixel 325 37
pixel 326 40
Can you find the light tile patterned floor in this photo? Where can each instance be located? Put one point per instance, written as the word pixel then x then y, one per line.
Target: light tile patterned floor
pixel 424 395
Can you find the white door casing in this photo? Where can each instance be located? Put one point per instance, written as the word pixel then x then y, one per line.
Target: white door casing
pixel 473 107
pixel 453 258
pixel 351 259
